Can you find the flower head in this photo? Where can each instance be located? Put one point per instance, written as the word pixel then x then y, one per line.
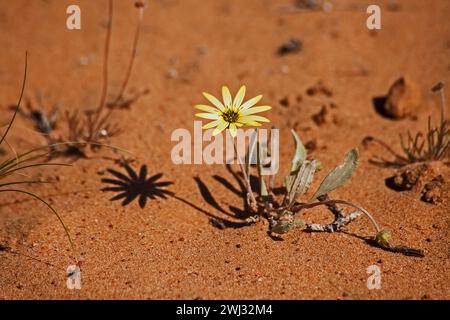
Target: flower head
pixel 231 113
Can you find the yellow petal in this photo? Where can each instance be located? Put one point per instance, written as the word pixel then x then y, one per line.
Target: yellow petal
pixel 211 116
pixel 227 100
pixel 253 124
pixel 250 103
pixel 222 126
pixel 233 130
pixel 212 124
pixel 247 119
pixel 254 110
pixel 214 101
pixel 239 97
pixel 206 108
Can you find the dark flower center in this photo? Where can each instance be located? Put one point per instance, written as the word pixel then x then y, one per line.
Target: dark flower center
pixel 230 115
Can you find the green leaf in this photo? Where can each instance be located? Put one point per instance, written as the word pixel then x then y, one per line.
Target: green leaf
pixel 303 180
pixel 339 175
pixel 297 161
pixel 300 153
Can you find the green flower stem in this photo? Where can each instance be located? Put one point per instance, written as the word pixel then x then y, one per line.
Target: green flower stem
pixel 246 177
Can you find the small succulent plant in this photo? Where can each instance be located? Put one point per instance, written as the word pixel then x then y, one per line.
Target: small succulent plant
pixel 283 215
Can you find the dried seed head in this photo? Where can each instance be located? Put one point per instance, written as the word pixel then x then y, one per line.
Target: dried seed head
pixel 438 86
pixel 281 226
pixel 139 4
pixel 383 237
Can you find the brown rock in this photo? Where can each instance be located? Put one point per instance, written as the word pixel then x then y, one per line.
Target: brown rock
pixel 432 191
pixel 409 177
pixel 426 181
pixel 403 99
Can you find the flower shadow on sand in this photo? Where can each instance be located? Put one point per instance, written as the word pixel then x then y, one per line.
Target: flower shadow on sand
pixel 133 185
pixel 239 190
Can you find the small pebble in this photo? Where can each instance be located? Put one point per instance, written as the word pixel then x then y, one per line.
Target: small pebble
pixel 290 46
pixel 284 69
pixel 84 60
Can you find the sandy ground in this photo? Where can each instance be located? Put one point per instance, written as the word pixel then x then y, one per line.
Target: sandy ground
pixel 169 249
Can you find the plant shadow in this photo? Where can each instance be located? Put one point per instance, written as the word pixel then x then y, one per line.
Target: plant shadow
pixel 132 185
pixel 239 190
pixel 378 104
pixel 398 160
pixel 369 240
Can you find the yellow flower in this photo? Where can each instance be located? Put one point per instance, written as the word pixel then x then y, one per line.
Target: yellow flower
pixel 232 113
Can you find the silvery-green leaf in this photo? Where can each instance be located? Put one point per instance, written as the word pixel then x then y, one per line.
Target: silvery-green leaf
pixel 297 161
pixel 302 180
pixel 339 175
pixel 287 182
pixel 306 178
pixel 300 153
pixel 294 181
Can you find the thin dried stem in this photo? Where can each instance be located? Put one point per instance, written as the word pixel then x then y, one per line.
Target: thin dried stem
pixel 440 87
pixel 104 92
pixel 66 230
pixel 302 206
pixel 16 156
pixel 336 225
pixel 6 173
pixel 20 99
pixel 132 57
pixel 253 201
pixel 22 182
